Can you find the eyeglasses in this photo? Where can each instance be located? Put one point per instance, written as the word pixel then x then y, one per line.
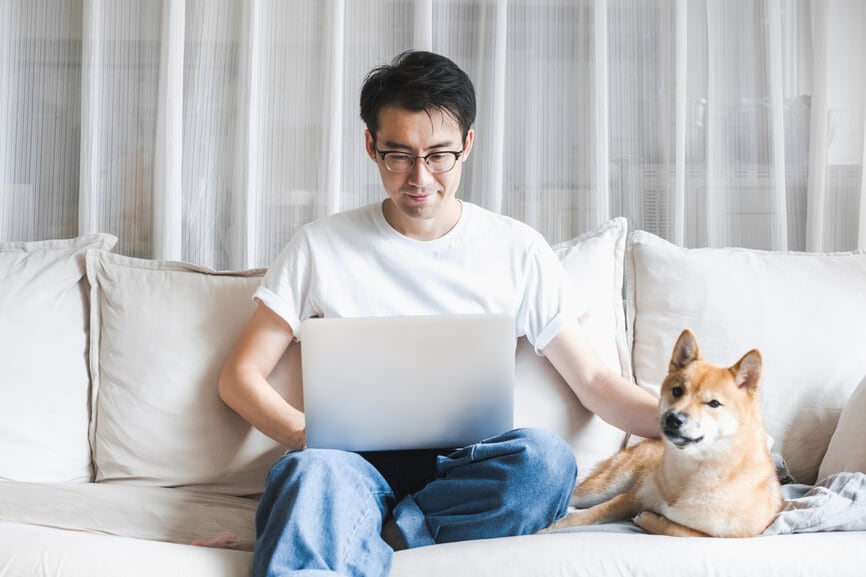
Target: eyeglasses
pixel 403 162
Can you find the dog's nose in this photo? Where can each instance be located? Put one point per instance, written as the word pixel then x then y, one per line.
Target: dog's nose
pixel 673 420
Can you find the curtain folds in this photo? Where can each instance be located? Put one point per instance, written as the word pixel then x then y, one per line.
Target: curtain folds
pixel 211 130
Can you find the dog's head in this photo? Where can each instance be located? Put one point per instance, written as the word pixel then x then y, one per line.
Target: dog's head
pixel 702 403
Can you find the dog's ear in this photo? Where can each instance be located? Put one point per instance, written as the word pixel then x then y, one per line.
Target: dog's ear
pixel 747 371
pixel 686 351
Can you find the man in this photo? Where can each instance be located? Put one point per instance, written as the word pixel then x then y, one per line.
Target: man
pixel 420 251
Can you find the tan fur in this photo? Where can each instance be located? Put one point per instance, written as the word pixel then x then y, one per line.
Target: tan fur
pixel 711 474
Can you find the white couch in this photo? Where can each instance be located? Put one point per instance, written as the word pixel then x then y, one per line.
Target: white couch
pixel 116 451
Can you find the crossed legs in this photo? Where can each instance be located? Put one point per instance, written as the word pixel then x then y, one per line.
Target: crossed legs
pixel 322 510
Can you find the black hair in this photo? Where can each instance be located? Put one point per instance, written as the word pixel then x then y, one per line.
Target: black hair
pixel 419 81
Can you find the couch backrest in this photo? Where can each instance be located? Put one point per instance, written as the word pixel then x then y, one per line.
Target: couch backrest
pixel 125 360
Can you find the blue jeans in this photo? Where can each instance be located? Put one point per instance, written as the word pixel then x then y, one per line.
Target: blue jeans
pixel 322 510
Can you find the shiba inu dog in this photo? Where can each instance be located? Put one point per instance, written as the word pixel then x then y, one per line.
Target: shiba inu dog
pixel 711 474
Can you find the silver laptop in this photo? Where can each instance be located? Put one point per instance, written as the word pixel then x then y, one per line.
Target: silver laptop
pixel 407 382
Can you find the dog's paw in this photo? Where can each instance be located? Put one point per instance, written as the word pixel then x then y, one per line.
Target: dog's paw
pixel 552 528
pixel 549 529
pixel 564 523
pixel 656 524
pixel 646 521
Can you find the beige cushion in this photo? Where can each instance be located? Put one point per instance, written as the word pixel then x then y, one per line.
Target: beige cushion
pixel 806 312
pixel 147 513
pixel 594 264
pixel 161 334
pixel 44 381
pixel 847 449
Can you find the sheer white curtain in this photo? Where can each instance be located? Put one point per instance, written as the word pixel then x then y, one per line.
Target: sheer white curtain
pixel 210 130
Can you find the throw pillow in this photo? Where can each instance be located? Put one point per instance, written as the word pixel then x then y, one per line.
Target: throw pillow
pixel 804 311
pixel 44 381
pixel 594 266
pixel 847 450
pixel 161 334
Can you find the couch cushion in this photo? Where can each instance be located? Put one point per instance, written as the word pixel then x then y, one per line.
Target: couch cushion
pixel 161 333
pixel 607 552
pixel 44 381
pixel 594 265
pixel 847 450
pixel 152 513
pixel 40 551
pixel 31 550
pixel 806 312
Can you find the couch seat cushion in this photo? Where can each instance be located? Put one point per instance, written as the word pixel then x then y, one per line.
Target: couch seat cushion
pixel 152 513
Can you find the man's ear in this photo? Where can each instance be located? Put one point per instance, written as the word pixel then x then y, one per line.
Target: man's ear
pixel 370 145
pixel 467 144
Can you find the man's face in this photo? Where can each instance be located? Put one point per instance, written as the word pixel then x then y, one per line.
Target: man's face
pixel 422 203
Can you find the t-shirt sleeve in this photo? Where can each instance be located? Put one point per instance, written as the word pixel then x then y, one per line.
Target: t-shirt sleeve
pixel 548 303
pixel 285 288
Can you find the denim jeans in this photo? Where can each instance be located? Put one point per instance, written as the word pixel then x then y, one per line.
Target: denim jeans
pixel 322 510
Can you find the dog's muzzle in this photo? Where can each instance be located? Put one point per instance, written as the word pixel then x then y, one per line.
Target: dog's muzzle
pixel 672 424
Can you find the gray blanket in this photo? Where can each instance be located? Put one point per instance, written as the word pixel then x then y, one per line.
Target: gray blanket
pixel 838 503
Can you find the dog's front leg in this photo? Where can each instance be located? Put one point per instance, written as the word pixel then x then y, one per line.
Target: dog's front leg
pixel 659 525
pixel 617 475
pixel 619 508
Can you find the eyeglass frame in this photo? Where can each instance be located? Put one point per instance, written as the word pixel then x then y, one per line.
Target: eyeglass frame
pixel 383 153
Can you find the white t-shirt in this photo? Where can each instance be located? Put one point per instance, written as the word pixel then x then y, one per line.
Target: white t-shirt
pixel 354 264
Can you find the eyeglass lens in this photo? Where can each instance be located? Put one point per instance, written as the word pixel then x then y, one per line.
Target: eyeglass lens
pixel 436 162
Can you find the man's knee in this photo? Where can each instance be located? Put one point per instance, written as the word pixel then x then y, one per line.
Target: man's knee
pixel 315 466
pixel 545 458
pixel 323 480
pixel 512 484
pixel 527 462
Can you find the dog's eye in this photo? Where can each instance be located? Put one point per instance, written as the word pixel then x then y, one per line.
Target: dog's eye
pixel 714 404
pixel 677 392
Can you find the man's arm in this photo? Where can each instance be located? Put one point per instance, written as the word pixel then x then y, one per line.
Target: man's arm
pixel 600 389
pixel 243 383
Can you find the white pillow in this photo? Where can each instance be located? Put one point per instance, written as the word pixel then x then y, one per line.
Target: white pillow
pixel 44 382
pixel 594 265
pixel 847 450
pixel 161 333
pixel 806 312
